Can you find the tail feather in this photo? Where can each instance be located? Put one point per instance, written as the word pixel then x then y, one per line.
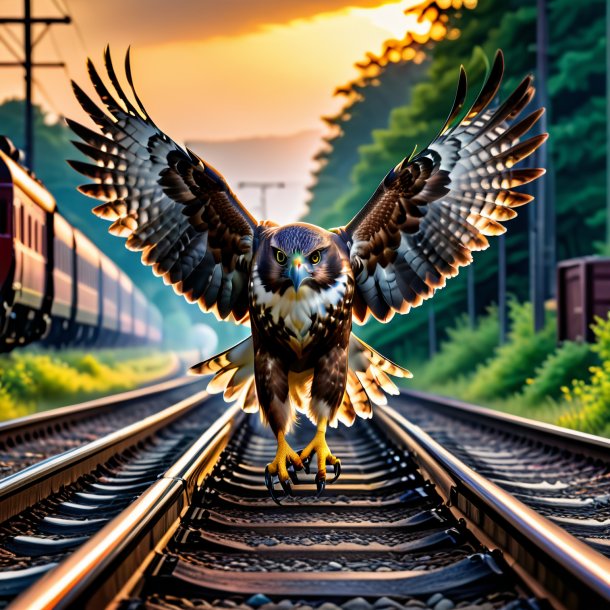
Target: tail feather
pixel 239 383
pixel 222 380
pixel 372 389
pixel 248 400
pixel 233 372
pixel 239 355
pixel 357 396
pixel 368 380
pixel 346 413
pixel 299 385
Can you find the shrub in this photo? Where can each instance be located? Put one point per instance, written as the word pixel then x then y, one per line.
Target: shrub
pixel 31 380
pixel 465 348
pixel 590 401
pixel 569 362
pixel 513 362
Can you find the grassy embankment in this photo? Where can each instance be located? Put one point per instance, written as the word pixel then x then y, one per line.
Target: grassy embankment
pixel 33 381
pixel 529 375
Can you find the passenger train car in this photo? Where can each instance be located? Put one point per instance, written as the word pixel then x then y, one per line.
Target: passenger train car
pixel 55 285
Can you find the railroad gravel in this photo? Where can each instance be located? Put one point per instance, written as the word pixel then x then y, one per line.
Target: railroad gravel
pixel 497 601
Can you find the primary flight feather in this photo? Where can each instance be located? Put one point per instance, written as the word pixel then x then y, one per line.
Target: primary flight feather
pixel 300 286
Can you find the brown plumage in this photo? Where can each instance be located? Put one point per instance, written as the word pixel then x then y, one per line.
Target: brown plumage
pixel 300 286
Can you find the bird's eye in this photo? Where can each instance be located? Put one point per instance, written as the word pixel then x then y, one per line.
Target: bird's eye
pixel 315 257
pixel 280 257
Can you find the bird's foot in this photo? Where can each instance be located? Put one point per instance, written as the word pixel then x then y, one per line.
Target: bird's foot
pixel 319 446
pixel 283 467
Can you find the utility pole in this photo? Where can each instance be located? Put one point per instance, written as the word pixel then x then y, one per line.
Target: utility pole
pixel 28 65
pixel 543 234
pixel 502 298
pixel 263 187
pixel 470 296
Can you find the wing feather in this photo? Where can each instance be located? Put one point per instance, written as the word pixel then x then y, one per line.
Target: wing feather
pixel 433 210
pixel 170 205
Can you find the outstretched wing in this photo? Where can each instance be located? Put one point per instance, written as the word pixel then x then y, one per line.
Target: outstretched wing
pixel 174 208
pixel 433 210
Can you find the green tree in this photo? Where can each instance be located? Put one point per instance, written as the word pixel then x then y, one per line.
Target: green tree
pixel 577 82
pixel 510 26
pixel 369 106
pixel 577 146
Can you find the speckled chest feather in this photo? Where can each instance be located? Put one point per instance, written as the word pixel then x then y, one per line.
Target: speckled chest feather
pixel 305 318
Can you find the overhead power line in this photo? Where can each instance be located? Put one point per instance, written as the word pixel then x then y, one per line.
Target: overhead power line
pixel 28 64
pixel 79 33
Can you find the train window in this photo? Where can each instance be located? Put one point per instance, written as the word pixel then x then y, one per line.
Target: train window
pixel 36 236
pixel 29 235
pixel 22 224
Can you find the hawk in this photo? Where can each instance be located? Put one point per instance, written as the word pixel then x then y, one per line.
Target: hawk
pixel 298 286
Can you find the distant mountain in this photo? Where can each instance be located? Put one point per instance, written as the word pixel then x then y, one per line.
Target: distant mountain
pixel 285 159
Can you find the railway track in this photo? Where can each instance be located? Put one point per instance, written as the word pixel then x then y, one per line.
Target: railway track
pixel 28 440
pixel 50 508
pixel 561 474
pixel 408 525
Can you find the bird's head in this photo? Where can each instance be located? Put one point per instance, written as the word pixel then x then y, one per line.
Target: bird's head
pixel 298 255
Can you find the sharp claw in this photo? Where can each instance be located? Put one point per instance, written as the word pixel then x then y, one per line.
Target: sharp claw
pixel 293 475
pixel 269 485
pixel 337 469
pixel 286 487
pixel 320 484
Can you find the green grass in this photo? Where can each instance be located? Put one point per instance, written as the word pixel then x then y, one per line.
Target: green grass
pixel 33 381
pixel 530 376
pixel 458 356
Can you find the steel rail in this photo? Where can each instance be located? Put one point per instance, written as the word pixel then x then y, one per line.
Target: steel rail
pixel 15 431
pixel 552 562
pixel 34 483
pixel 590 445
pixel 96 572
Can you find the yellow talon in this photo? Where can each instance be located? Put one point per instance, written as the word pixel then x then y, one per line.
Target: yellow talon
pixel 319 446
pixel 284 456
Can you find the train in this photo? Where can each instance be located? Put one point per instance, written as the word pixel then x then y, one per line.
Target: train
pixel 56 286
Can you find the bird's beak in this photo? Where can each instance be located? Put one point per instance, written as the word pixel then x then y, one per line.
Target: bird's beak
pixel 297 272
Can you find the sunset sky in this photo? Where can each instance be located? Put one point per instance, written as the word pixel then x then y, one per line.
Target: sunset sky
pixel 209 70
pixel 213 70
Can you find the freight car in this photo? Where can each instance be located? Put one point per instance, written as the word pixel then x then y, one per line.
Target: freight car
pixel 55 285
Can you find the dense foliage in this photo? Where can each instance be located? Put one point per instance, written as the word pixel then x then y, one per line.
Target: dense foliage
pixel 577 82
pixel 577 145
pixel 529 375
pixel 352 128
pixel 464 349
pixel 513 363
pixel 568 362
pixel 589 400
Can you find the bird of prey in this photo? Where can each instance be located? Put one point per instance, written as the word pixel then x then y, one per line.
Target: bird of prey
pixel 298 286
